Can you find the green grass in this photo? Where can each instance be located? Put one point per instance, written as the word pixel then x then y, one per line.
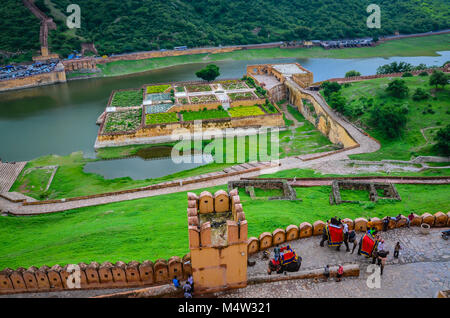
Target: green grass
pixel 243 111
pixel 157 89
pixel 412 142
pixel 205 114
pixel 161 118
pixel 127 98
pixel 423 46
pixel 34 181
pixel 156 227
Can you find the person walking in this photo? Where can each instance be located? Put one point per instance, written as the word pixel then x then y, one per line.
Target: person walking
pixel 326 272
pixel 410 219
pixel 382 257
pixel 385 223
pixel 340 272
pixel 190 280
pixel 397 249
pixel 187 290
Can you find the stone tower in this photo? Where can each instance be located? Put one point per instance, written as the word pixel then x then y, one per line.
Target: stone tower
pixel 217 240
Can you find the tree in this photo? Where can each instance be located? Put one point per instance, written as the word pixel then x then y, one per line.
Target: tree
pixel 397 88
pixel 352 73
pixel 438 78
pixel 389 119
pixel 420 94
pixel 337 101
pixel 209 73
pixel 330 88
pixel 394 67
pixel 443 141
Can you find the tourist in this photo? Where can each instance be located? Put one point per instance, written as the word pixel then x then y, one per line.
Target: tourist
pixel 191 282
pixel 326 272
pixel 382 257
pixel 385 223
pixel 369 226
pixel 176 282
pixel 410 219
pixel 350 237
pixel 340 272
pixel 187 290
pixel 381 246
pixel 397 249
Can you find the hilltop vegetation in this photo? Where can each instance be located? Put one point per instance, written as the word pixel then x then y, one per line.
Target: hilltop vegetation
pixel 137 25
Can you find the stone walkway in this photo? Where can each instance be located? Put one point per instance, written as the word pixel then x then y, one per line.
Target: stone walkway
pixel 9 173
pixel 422 269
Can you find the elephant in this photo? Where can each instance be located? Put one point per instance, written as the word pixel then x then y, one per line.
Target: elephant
pixel 334 235
pixel 368 245
pixel 286 260
pixel 277 267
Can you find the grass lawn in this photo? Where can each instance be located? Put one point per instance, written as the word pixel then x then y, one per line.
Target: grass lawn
pixel 205 114
pixel 156 227
pixel 412 141
pixel 423 46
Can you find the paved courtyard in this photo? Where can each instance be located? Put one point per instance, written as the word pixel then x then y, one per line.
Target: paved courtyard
pixel 422 269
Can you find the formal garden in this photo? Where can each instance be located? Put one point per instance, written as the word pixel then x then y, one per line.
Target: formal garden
pixel 204 114
pixel 129 98
pixel 241 96
pixel 157 88
pixel 233 84
pixel 203 99
pixel 122 121
pixel 161 118
pixel 243 111
pixel 198 88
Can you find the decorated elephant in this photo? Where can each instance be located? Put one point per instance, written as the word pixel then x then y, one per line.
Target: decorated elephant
pixel 333 234
pixel 367 245
pixel 286 261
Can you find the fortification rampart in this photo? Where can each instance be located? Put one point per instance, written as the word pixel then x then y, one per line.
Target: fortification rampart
pixel 56 76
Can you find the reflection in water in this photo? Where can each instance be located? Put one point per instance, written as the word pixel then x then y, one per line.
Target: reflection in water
pixel 60 119
pixel 139 169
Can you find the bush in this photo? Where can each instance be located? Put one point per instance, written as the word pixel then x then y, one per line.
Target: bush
pixel 423 74
pixel 389 119
pixel 420 94
pixel 397 88
pixel 330 88
pixel 352 73
pixel 407 74
pixel 443 141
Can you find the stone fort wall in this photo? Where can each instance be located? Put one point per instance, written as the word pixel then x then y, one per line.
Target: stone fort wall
pixel 57 76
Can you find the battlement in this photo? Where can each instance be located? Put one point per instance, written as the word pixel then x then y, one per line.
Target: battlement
pixel 217 240
pixel 216 220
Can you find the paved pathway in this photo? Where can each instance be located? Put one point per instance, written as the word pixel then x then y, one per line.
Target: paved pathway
pixel 422 269
pixel 9 173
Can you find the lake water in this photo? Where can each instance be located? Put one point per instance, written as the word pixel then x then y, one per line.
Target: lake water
pixel 60 119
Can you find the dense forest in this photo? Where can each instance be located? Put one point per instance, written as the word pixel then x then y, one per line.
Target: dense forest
pixel 118 26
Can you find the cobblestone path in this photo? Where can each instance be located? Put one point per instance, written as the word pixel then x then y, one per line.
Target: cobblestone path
pixel 422 269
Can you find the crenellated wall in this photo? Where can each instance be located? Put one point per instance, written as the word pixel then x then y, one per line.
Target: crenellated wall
pixel 218 247
pixel 94 275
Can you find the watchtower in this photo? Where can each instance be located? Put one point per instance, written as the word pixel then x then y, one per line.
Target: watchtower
pixel 217 240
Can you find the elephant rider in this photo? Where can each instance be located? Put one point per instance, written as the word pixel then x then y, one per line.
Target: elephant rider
pixel 350 236
pixel 334 222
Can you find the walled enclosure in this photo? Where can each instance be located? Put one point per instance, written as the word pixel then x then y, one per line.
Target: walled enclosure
pixel 288 192
pixel 292 86
pixel 389 190
pixel 218 246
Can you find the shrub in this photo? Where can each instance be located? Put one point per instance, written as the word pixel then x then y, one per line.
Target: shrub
pixel 420 94
pixel 443 141
pixel 423 74
pixel 397 88
pixel 407 74
pixel 389 119
pixel 330 88
pixel 352 73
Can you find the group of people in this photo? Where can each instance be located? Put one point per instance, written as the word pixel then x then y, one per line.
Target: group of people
pixel 188 287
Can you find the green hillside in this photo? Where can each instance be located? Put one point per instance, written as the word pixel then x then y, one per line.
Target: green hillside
pixel 136 25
